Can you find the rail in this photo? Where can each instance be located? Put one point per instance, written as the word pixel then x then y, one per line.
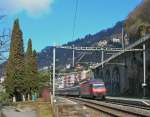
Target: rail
pixel 115 109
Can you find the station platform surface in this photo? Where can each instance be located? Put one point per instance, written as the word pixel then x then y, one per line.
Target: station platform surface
pixel 64 107
pixel 139 101
pixel 62 100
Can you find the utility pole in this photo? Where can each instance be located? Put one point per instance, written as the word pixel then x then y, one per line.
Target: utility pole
pixel 54 52
pixel 73 54
pixel 123 45
pixel 102 57
pixel 144 71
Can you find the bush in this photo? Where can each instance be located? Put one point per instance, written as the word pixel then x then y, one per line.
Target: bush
pixel 4 98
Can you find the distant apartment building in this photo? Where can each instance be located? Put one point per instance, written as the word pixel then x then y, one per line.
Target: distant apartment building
pixel 72 79
pixel 68 66
pixel 116 40
pixel 2 78
pixel 69 80
pixel 102 43
pixel 60 82
pixel 43 69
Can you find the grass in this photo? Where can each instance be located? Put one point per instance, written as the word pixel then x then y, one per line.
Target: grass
pixel 43 108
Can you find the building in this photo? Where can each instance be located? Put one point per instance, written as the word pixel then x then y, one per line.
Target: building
pixel 102 43
pixel 116 40
pixel 2 78
pixel 60 82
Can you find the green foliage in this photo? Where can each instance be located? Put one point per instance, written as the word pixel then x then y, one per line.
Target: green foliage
pixel 140 16
pixel 4 98
pixel 34 71
pixel 21 70
pixel 44 79
pixel 31 69
pixel 15 67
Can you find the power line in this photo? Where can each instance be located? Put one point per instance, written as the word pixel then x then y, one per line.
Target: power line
pixel 75 19
pixel 73 31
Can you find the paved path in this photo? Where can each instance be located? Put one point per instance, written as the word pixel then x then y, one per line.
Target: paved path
pixel 11 112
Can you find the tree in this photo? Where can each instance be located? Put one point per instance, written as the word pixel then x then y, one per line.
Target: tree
pixel 34 71
pixel 44 80
pixel 31 69
pixel 28 68
pixel 14 82
pixel 140 16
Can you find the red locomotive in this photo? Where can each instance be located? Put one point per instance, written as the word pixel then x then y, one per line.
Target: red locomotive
pixel 93 88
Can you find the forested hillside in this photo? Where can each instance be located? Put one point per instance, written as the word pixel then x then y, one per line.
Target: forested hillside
pixel 138 21
pixel 64 56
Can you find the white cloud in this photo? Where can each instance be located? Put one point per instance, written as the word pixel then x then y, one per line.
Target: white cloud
pixel 31 7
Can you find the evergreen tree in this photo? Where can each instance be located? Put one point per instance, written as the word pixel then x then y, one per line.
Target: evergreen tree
pixel 28 68
pixel 31 69
pixel 34 71
pixel 35 65
pixel 15 67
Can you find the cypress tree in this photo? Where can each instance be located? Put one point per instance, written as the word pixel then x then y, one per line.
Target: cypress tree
pixel 28 67
pixel 15 66
pixel 31 69
pixel 34 71
pixel 35 66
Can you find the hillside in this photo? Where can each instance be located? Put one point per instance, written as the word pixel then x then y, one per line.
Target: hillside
pixel 90 40
pixel 65 56
pixel 138 21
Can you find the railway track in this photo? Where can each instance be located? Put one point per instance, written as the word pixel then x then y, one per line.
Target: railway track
pixel 145 107
pixel 115 109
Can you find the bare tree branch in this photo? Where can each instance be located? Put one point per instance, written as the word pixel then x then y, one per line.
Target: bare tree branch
pixel 4 42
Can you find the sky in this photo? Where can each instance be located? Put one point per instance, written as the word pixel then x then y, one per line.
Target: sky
pixel 49 22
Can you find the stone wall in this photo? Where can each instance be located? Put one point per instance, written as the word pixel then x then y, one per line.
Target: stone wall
pixel 123 74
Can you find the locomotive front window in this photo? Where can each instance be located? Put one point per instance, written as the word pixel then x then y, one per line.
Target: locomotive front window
pixel 98 86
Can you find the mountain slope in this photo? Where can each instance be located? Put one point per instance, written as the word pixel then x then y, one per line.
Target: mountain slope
pixel 64 56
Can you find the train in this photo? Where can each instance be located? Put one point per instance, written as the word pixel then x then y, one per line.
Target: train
pixel 93 88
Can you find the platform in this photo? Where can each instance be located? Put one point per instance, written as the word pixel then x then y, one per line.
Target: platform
pixel 64 107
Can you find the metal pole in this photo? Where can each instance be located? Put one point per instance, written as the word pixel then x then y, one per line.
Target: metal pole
pixel 144 71
pixel 73 60
pixel 54 51
pixel 102 57
pixel 123 46
pixel 50 79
